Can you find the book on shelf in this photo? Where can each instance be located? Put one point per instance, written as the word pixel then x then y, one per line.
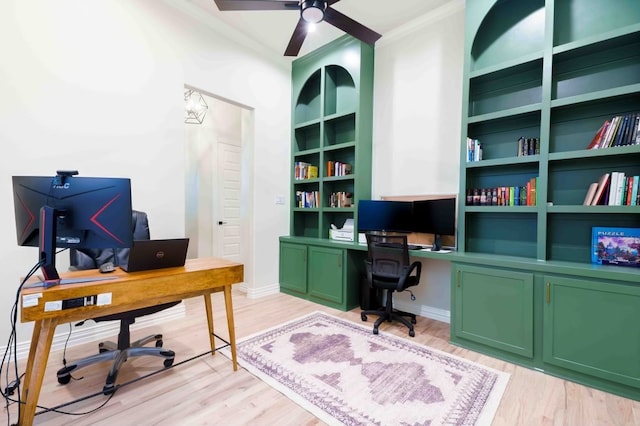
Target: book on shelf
pixel 595 142
pixel 628 190
pixel 615 246
pixel 615 189
pixel 591 192
pixel 307 199
pixel 474 150
pixel 338 168
pixel 341 199
pixel 304 170
pixel 503 195
pixel 620 130
pixel 602 189
pixel 634 191
pixel 528 146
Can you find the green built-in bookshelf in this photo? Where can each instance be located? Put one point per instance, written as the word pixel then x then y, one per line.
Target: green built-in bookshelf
pixel 332 113
pixel 556 71
pixel 523 286
pixel 332 90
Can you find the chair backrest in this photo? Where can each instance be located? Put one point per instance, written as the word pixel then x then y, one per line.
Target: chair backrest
pixel 93 258
pixel 388 255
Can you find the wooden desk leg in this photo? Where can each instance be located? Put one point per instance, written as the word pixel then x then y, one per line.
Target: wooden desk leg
pixel 209 308
pixel 228 305
pixel 36 365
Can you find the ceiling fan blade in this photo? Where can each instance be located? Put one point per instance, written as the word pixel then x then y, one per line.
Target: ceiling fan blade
pixel 257 5
pixel 350 26
pixel 295 43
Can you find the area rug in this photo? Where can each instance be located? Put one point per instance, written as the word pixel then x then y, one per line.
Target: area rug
pixel 344 374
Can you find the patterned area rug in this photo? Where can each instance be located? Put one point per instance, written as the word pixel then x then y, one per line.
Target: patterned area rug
pixel 344 374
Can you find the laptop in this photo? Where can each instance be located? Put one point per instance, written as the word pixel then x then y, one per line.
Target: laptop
pixel 145 255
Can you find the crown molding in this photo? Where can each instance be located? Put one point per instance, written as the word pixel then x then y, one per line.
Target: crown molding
pixel 420 23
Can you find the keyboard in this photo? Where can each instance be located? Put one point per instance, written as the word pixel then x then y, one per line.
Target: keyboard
pixel 396 245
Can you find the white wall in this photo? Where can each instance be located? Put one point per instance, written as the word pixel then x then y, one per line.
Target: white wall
pixel 98 86
pixel 416 134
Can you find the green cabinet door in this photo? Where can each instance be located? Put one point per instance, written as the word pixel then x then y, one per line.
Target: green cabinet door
pixel 326 278
pixel 593 328
pixel 494 307
pixel 293 268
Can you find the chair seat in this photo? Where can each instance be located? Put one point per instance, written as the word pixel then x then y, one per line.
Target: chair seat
pixel 393 284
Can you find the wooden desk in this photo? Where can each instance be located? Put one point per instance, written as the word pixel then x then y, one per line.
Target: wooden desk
pixel 199 277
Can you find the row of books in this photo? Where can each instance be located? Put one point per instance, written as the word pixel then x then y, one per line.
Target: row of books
pixel 613 189
pixel 337 168
pixel 528 146
pixel 474 150
pixel 525 195
pixel 305 170
pixel 619 131
pixel 307 199
pixel 341 199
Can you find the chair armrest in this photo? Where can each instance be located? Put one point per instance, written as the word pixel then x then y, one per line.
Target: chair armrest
pixel 407 270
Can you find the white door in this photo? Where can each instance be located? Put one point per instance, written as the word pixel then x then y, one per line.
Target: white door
pixel 228 235
pixel 217 205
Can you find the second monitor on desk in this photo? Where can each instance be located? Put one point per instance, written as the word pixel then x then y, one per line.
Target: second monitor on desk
pixel 432 216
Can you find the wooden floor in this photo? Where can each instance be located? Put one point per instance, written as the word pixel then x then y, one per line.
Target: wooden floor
pixel 207 391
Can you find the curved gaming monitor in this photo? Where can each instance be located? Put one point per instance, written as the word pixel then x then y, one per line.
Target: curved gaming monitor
pixel 64 211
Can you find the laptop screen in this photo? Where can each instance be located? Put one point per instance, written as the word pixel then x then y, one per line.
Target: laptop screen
pixel 156 254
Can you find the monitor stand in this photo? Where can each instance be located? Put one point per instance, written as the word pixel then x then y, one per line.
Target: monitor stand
pixel 437 243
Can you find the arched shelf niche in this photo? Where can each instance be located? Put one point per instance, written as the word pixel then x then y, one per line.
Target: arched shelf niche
pixel 308 104
pixel 511 29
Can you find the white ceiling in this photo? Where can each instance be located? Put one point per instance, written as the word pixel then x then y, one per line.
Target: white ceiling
pixel 273 29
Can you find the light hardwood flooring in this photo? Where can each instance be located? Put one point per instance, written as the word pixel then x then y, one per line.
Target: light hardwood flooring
pixel 208 391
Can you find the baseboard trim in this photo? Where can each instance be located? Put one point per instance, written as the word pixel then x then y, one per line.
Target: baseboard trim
pixel 100 331
pixel 425 311
pixel 253 293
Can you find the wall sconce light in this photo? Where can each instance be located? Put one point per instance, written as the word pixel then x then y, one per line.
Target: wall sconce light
pixel 195 108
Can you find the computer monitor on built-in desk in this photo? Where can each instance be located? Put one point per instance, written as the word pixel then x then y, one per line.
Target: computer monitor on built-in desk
pixel 385 216
pixel 436 216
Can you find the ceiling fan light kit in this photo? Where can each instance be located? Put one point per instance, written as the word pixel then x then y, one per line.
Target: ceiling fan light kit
pixel 312 11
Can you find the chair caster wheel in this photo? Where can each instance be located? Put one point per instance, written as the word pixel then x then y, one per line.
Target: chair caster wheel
pixel 412 333
pixel 108 389
pixel 413 321
pixel 375 331
pixel 64 379
pixel 363 317
pixel 168 362
pixel 159 343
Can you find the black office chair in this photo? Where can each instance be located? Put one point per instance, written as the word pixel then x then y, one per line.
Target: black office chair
pixel 118 352
pixel 388 269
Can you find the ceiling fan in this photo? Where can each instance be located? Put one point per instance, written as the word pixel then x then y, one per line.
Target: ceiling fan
pixel 311 11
